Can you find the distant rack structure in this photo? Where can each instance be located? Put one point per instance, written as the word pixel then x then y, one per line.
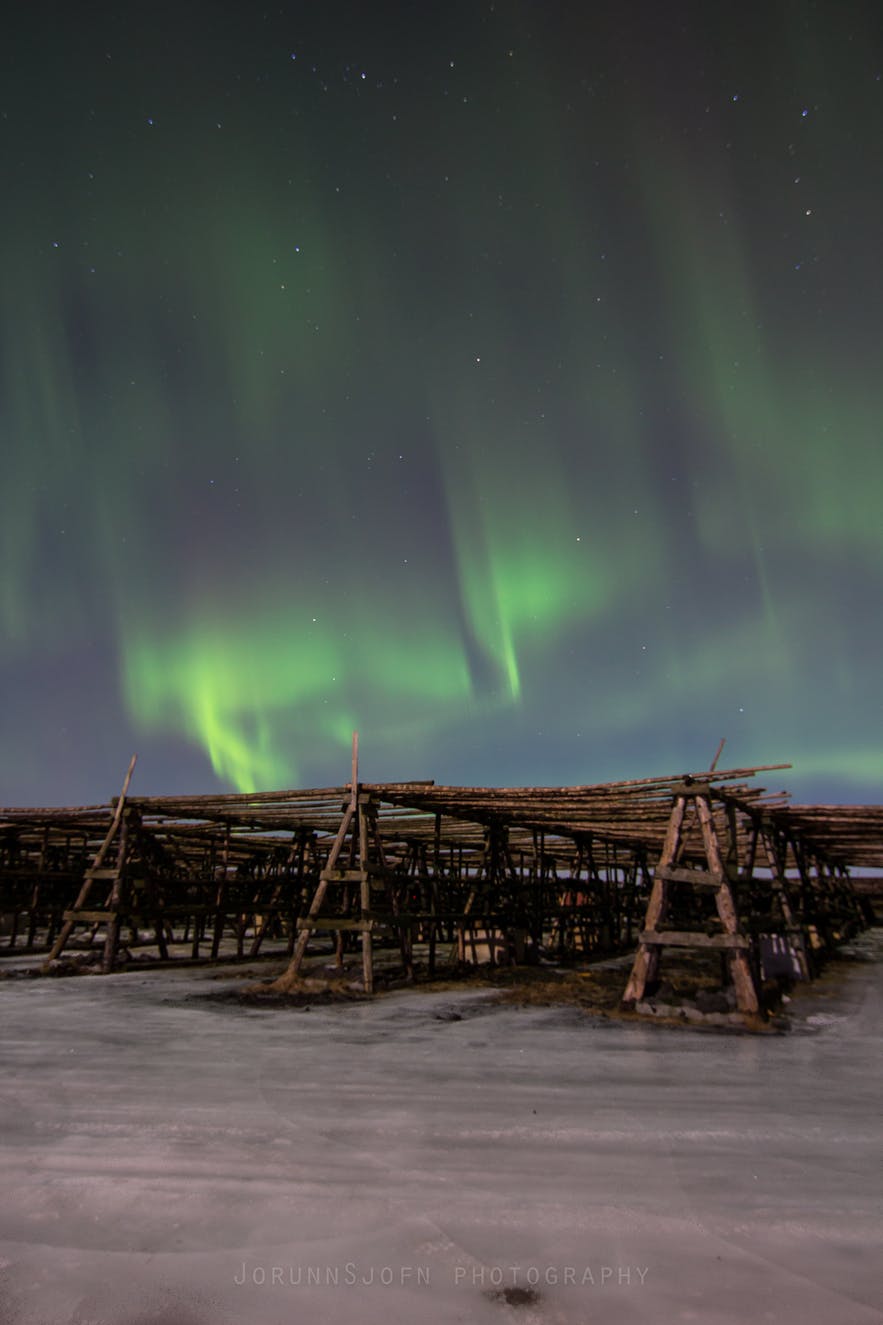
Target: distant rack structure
pixel 708 862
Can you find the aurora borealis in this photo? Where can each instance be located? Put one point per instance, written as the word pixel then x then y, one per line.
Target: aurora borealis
pixel 503 380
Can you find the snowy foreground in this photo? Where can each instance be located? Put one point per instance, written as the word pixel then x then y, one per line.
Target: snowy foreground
pixel 171 1160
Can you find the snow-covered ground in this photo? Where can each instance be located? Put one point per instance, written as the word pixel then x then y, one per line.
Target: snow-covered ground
pixel 428 1157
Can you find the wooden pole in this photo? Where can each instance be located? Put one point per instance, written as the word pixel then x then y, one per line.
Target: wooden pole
pixel 115 904
pixel 720 750
pixel 365 903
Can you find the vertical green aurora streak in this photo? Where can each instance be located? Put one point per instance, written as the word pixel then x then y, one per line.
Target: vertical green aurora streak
pixel 508 403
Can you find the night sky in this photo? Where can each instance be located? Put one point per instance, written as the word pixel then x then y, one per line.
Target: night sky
pixel 500 379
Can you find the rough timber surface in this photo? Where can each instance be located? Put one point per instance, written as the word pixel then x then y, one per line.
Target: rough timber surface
pixel 703 860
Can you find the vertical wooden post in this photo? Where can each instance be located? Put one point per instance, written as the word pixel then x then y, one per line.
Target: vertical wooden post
pixel 433 891
pixel 221 897
pixel 365 902
pixel 115 903
pixel 289 977
pixel 35 896
pixel 776 862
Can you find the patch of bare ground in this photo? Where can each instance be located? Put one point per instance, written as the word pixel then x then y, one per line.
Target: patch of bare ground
pixel 595 989
pixel 514 1297
pixel 307 991
pixel 691 994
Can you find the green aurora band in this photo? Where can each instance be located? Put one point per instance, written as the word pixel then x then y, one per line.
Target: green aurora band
pixel 306 432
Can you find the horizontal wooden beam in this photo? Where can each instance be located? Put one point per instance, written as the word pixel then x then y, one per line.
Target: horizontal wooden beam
pixel 681 938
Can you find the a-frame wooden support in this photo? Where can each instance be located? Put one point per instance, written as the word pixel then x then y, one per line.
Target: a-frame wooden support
pixel 308 924
pixel 355 861
pixel 99 872
pixel 692 800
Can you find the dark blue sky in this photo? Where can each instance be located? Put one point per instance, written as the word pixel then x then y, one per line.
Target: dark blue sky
pixel 500 379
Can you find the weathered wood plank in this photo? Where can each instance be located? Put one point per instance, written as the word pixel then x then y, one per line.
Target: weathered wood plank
pixel 681 938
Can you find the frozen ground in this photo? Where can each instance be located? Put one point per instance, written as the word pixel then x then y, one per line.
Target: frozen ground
pixel 170 1160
